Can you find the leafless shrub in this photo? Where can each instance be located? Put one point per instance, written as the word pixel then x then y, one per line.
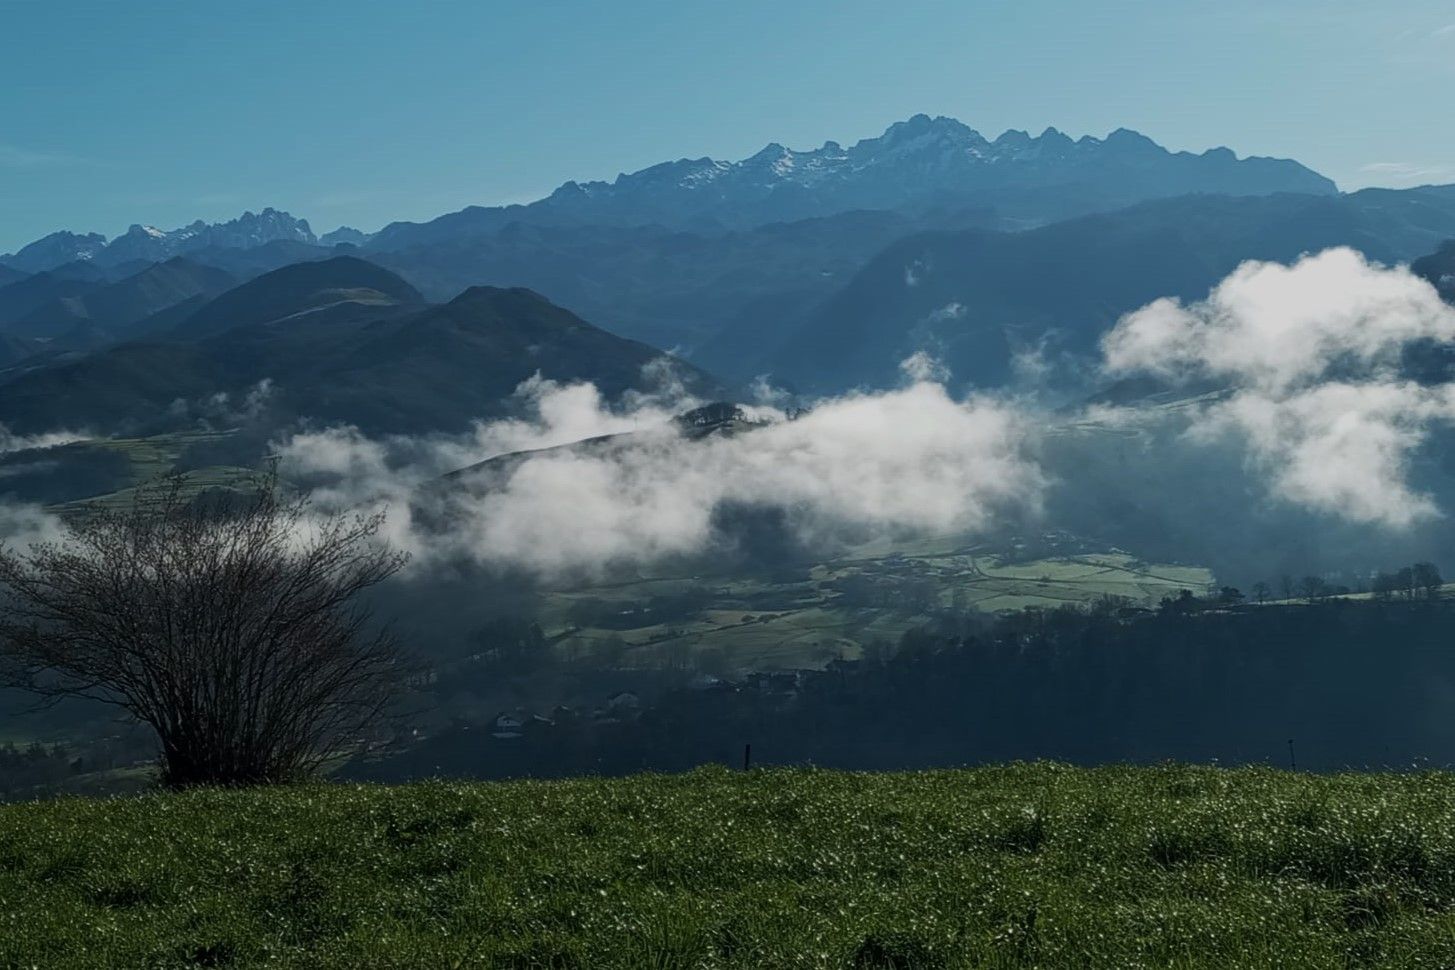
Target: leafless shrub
pixel 233 629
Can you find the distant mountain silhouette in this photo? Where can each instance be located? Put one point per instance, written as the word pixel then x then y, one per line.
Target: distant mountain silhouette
pixel 789 263
pixel 918 164
pixel 148 244
pixel 55 250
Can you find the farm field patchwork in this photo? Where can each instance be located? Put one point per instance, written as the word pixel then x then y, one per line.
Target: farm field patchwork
pixel 838 607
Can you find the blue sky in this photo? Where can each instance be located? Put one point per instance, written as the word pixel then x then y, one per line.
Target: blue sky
pixel 359 112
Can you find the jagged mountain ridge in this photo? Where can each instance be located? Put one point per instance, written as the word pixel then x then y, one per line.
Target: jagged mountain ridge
pixel 922 162
pixel 150 244
pixel 55 250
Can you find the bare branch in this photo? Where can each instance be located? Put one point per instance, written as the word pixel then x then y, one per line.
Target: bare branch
pixel 233 630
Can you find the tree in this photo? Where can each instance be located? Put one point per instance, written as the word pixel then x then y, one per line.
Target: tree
pixel 1313 588
pixel 1426 576
pixel 232 629
pixel 1261 592
pixel 1183 602
pixel 512 646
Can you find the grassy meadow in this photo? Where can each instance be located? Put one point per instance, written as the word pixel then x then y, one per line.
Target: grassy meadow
pixel 1035 865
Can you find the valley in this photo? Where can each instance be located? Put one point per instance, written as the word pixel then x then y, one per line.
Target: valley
pixel 832 485
pixel 715 422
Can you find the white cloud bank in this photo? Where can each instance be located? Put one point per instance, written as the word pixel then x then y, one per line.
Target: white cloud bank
pixel 912 459
pixel 1313 353
pixel 10 441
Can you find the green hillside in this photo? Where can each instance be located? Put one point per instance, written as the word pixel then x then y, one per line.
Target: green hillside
pixel 835 608
pixel 1020 866
pixel 338 341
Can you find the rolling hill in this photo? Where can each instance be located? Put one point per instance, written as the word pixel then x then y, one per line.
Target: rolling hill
pixel 114 310
pixel 336 340
pixel 296 289
pixel 31 294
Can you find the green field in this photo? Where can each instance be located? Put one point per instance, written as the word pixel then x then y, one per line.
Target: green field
pixel 762 623
pixel 1020 866
pixel 146 460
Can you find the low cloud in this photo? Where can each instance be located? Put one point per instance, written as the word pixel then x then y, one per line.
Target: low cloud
pixel 1340 448
pixel 913 460
pixel 1312 353
pixel 1311 397
pixel 223 409
pixel 23 525
pixel 1410 173
pixel 11 442
pixel 923 367
pixel 1277 327
pixel 1294 387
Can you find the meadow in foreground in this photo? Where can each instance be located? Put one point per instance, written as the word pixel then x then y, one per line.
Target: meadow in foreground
pixel 1037 865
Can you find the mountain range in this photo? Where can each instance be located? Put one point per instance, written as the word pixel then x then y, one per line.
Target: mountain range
pixel 819 270
pixel 921 164
pixel 150 244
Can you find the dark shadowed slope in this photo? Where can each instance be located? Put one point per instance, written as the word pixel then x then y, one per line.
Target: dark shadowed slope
pixel 115 309
pixel 447 364
pixel 257 260
pixel 1439 269
pixel 666 287
pixel 342 341
pixel 977 299
pixel 31 293
pixel 299 288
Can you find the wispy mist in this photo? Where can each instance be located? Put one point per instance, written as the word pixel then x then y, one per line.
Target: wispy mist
pixel 912 459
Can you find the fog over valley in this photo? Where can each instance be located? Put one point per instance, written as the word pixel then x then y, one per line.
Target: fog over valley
pixel 717 421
